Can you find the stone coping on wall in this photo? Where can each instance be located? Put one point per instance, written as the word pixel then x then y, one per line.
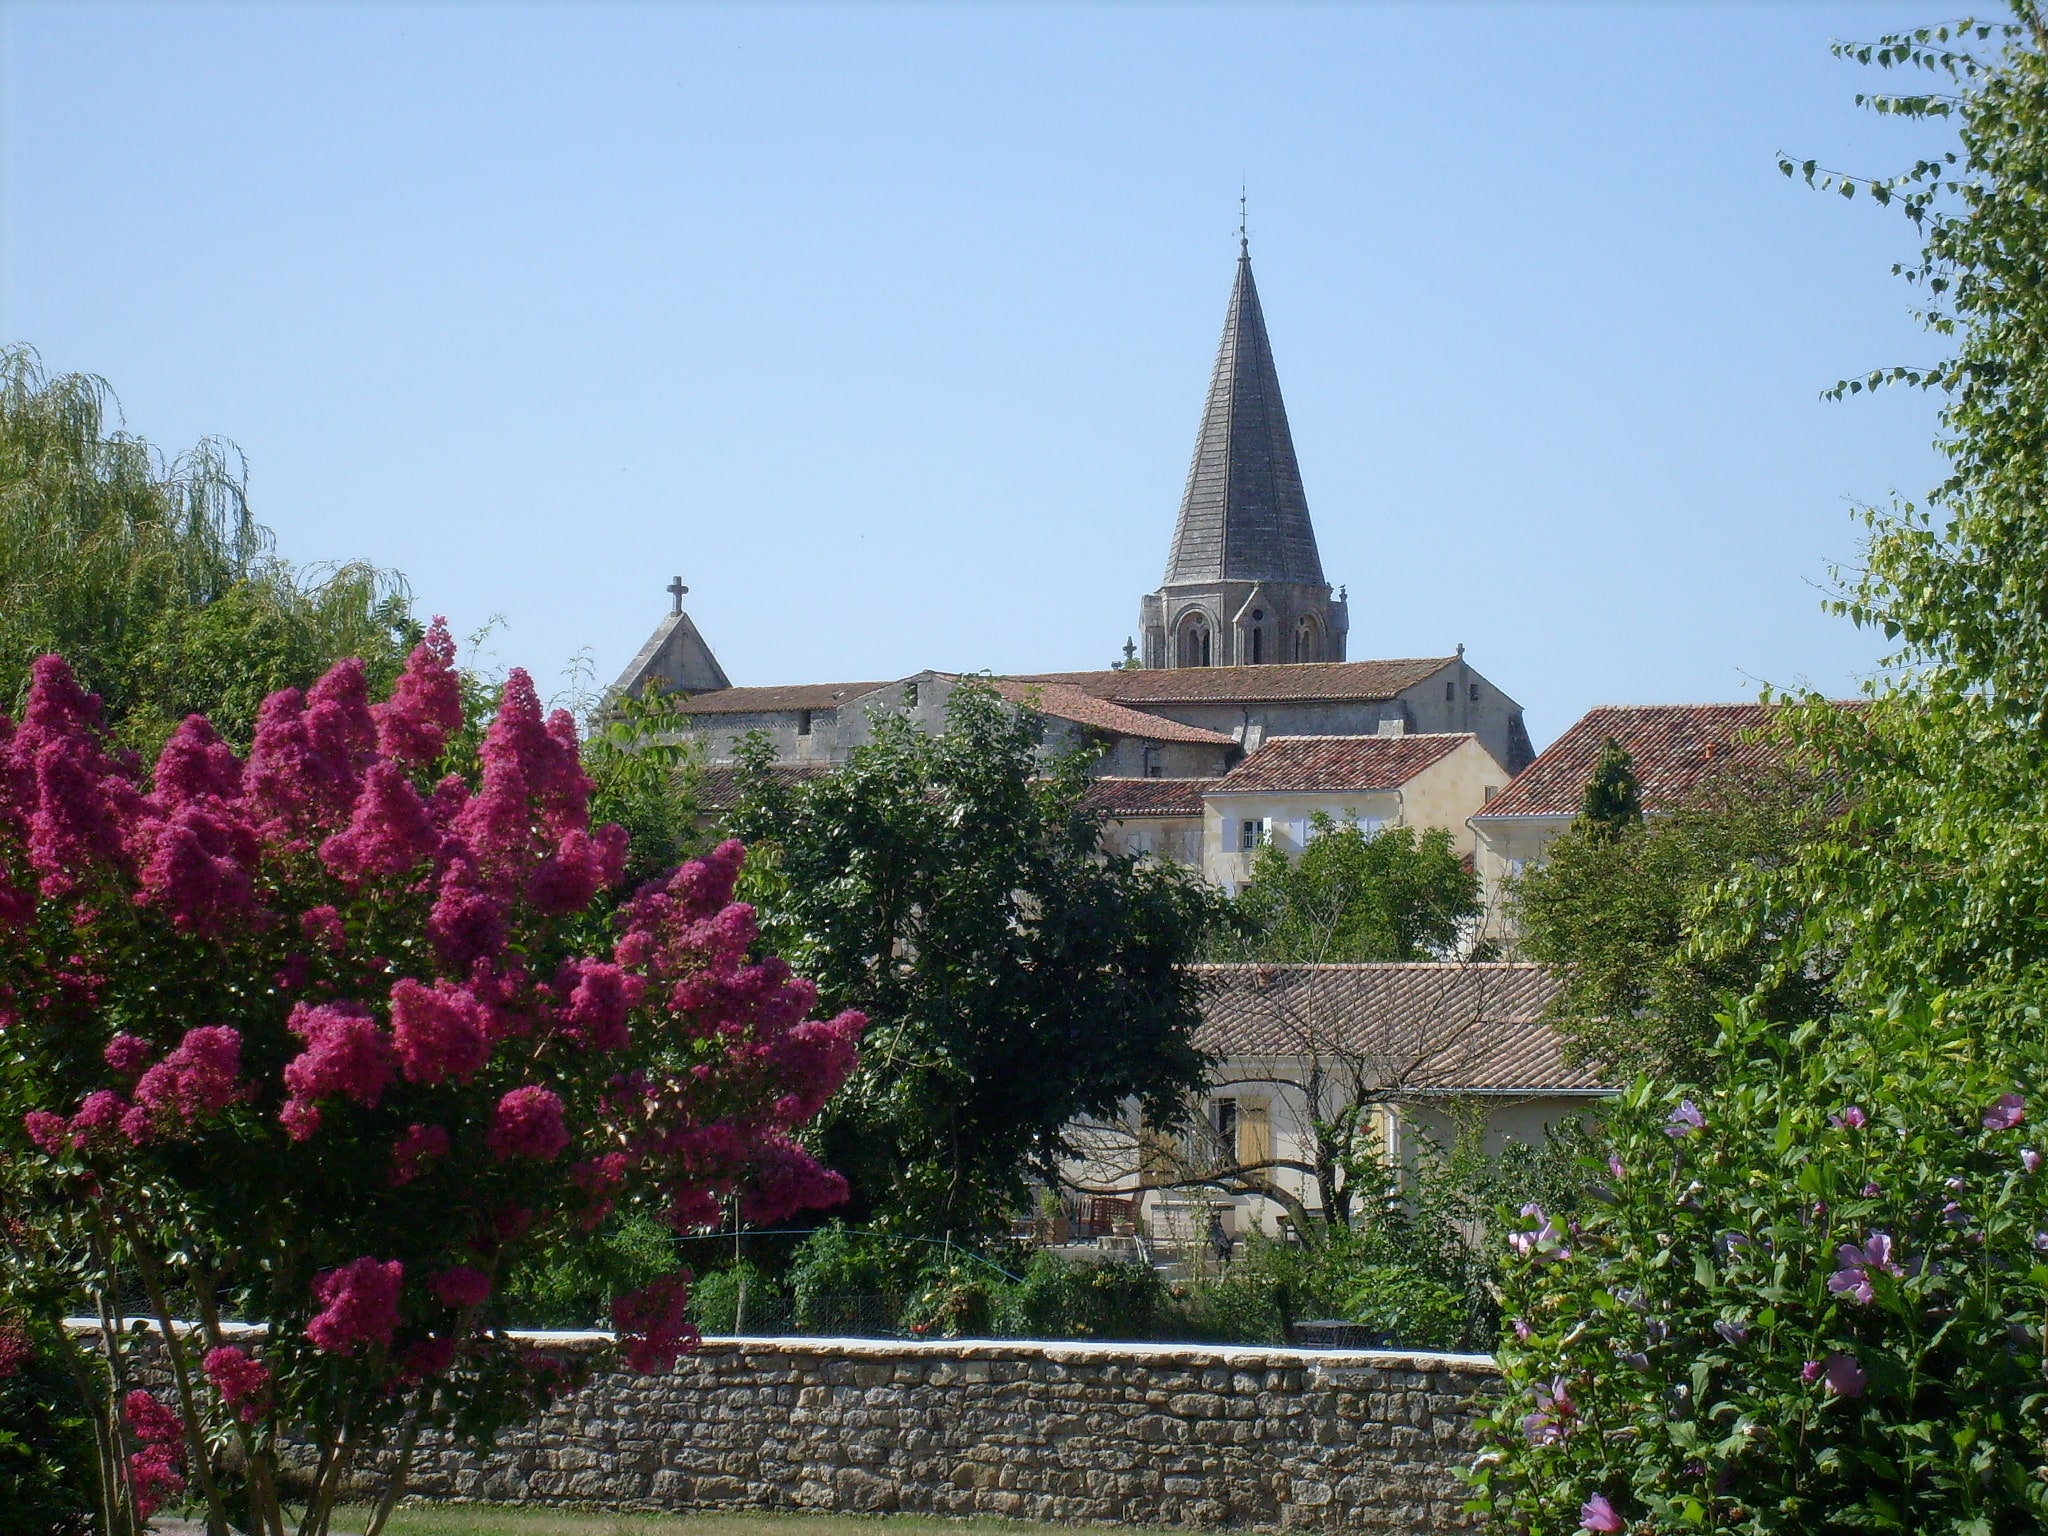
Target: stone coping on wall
pixel 1198 1355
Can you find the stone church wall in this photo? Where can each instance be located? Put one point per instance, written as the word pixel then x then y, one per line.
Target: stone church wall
pixel 1075 1433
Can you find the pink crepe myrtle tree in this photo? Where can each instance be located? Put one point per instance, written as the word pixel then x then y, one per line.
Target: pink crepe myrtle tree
pixel 334 1040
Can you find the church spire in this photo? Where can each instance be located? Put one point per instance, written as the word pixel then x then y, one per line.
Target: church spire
pixel 1243 516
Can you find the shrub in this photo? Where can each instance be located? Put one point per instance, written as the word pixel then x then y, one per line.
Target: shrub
pixel 1240 1307
pixel 1060 1299
pixel 1407 1308
pixel 715 1297
pixel 836 1273
pixel 350 1041
pixel 1807 1298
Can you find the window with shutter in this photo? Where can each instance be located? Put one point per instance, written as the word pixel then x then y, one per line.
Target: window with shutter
pixel 1254 1132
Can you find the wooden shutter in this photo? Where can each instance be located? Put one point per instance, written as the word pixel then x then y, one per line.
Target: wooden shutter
pixel 1254 1132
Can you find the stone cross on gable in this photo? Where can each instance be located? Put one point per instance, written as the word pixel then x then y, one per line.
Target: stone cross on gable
pixel 676 589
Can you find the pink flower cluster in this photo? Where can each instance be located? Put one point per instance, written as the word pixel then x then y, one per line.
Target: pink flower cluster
pixel 60 795
pixel 192 846
pixel 201 1077
pixel 415 1148
pixel 391 953
pixel 652 1326
pixel 15 1348
pixel 437 1032
pixel 414 724
pixel 690 940
pixel 242 1382
pixel 461 1287
pixel 359 1305
pixel 1556 1415
pixel 528 1123
pixel 153 1471
pixel 346 1055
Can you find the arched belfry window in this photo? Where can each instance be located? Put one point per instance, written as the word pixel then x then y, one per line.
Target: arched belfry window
pixel 1307 646
pixel 1194 641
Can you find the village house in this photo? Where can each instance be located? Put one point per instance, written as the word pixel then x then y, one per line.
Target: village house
pixel 1673 749
pixel 1423 1054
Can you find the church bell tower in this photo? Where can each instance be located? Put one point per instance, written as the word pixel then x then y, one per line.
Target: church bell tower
pixel 1244 584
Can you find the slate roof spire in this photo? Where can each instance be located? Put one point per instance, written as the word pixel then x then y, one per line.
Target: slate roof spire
pixel 1243 516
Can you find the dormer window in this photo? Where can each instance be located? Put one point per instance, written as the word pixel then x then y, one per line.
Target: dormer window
pixel 1258 637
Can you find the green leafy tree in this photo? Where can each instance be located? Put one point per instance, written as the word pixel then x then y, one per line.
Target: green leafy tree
pixel 1807 1295
pixel 154 578
pixel 1637 924
pixel 1394 895
pixel 1612 802
pixel 949 886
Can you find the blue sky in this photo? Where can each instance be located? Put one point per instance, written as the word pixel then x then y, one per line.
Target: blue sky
pixel 888 326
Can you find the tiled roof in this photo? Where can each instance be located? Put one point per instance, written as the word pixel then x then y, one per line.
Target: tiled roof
pixel 1672 747
pixel 1120 799
pixel 718 789
pixel 1347 681
pixel 1305 763
pixel 1065 702
pixel 748 701
pixel 1424 1028
pixel 1333 680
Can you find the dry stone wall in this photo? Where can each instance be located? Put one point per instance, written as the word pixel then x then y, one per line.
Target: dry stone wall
pixel 1078 1433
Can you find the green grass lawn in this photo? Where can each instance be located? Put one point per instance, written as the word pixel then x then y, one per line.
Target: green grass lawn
pixel 506 1520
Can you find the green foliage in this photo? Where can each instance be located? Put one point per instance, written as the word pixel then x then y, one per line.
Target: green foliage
pixel 1634 922
pixel 715 1298
pixel 1060 1299
pixel 1700 1319
pixel 948 885
pixel 836 1262
pixel 643 771
pixel 1812 1297
pixel 1394 895
pixel 1612 802
pixel 154 579
pixel 574 1286
pixel 47 1458
pixel 1400 1303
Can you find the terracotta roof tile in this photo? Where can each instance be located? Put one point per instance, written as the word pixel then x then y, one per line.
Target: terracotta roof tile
pixel 1307 763
pixel 1673 748
pixel 1424 1028
pixel 1331 680
pixel 1121 799
pixel 1265 684
pixel 1065 702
